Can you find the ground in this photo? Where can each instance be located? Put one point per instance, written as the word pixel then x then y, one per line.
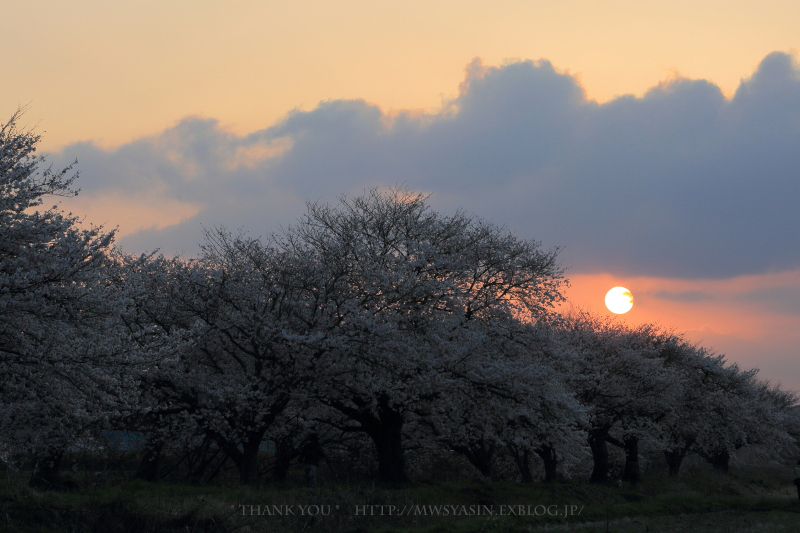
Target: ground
pixel 751 499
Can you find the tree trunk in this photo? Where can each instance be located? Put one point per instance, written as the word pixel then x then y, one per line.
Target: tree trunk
pixel 391 460
pixel 480 455
pixel 150 465
pixel 248 466
pixel 719 460
pixel 386 431
pixel 246 459
pixel 550 460
pixel 525 467
pixel 675 457
pixel 597 443
pixel 46 469
pixel 631 470
pixel 522 457
pixel 284 453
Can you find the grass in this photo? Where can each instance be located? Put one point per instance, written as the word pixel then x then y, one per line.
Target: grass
pixel 756 499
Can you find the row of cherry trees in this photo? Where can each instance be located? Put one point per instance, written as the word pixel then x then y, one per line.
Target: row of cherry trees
pixel 376 318
pixel 370 317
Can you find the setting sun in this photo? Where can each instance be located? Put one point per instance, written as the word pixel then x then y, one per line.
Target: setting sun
pixel 619 300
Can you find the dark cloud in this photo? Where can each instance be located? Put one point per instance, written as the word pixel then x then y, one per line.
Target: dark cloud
pixel 680 182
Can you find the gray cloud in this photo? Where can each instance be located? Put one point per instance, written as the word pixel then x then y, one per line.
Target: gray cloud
pixel 684 296
pixel 680 182
pixel 777 299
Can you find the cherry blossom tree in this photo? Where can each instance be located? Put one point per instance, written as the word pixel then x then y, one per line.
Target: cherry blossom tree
pixel 221 355
pixel 158 327
pixel 740 411
pixel 622 383
pixel 686 417
pixel 645 384
pixel 514 401
pixel 399 294
pixel 52 304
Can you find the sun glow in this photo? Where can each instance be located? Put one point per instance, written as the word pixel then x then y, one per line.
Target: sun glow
pixel 619 300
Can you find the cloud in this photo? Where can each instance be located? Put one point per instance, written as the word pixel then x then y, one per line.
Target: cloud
pixel 684 296
pixel 785 299
pixel 680 182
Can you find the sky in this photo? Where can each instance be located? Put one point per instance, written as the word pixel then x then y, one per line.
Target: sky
pixel 657 144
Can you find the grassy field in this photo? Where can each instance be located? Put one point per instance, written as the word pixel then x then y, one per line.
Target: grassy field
pixel 749 500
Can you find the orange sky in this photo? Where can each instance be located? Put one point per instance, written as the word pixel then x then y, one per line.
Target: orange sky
pixel 737 317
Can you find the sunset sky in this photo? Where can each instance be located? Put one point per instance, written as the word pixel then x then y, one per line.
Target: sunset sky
pixel 656 143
